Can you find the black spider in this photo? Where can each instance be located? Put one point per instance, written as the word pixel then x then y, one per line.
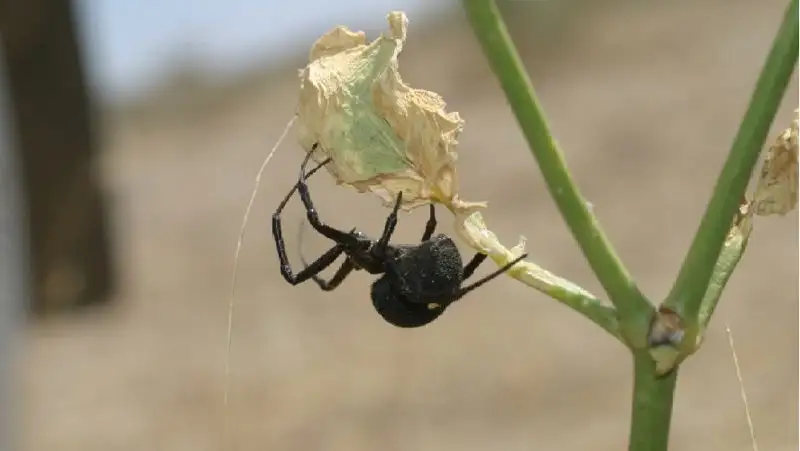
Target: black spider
pixel 417 283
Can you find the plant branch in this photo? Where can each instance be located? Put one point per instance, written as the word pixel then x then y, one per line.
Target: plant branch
pixel 652 405
pixel 668 357
pixel 572 296
pixel 592 308
pixel 633 308
pixel 693 280
pixel 472 229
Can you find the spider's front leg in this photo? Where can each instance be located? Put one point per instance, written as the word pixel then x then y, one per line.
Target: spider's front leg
pixel 430 226
pixel 389 226
pixel 340 237
pixel 277 233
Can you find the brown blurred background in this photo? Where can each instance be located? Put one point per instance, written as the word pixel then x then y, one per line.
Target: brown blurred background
pixel 644 98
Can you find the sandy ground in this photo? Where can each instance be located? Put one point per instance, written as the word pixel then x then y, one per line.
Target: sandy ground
pixel 645 101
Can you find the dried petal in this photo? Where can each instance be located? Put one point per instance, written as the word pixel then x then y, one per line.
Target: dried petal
pixel 382 135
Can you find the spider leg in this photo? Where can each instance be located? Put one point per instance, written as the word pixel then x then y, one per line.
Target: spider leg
pixel 311 270
pixel 464 290
pixel 473 265
pixel 391 223
pixel 288 196
pixel 430 226
pixel 327 231
pixel 326 285
pixel 277 233
pixel 337 279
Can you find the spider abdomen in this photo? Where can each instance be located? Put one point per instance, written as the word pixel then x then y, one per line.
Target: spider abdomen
pixel 427 272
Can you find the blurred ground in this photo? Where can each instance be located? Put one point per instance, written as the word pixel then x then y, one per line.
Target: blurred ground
pixel 645 101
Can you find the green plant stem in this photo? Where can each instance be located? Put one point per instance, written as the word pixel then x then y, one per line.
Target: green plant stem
pixel 706 267
pixel 634 310
pixel 689 288
pixel 652 405
pixel 732 252
pixel 592 308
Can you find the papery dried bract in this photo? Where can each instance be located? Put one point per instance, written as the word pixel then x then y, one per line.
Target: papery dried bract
pixel 382 135
pixel 742 223
pixel 471 227
pixel 776 190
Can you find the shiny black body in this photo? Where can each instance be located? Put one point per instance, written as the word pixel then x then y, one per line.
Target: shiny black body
pixel 417 282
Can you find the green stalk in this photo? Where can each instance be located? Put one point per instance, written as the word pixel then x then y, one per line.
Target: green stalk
pixel 575 298
pixel 687 293
pixel 668 357
pixel 651 412
pixel 634 310
pixel 705 270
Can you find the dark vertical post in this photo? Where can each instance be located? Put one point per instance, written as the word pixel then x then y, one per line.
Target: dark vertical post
pixel 53 113
pixel 13 276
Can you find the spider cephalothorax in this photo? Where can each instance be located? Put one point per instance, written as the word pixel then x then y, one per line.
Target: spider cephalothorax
pixel 417 282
